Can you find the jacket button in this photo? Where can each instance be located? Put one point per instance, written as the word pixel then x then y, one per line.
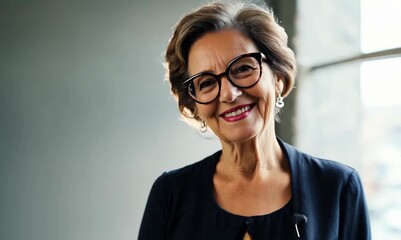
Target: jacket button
pixel 249 222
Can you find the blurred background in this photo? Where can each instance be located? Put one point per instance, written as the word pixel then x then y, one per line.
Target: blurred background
pixel 87 122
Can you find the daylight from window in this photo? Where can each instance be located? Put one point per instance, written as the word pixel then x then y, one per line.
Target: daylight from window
pixel 380 92
pixel 380 25
pixel 381 83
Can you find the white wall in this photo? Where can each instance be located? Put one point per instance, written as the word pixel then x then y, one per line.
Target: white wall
pixel 86 120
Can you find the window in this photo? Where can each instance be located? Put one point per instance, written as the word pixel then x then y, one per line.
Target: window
pixel 349 96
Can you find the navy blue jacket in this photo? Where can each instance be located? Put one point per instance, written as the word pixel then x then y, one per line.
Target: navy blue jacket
pixel 327 195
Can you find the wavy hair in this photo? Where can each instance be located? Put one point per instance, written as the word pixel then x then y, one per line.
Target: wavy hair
pixel 256 22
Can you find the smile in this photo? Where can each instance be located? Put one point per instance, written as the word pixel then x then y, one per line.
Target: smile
pixel 237 113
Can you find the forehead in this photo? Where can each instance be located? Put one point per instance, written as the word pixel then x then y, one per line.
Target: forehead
pixel 213 51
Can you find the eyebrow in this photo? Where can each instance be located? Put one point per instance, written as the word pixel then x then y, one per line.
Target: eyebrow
pixel 206 71
pixel 213 72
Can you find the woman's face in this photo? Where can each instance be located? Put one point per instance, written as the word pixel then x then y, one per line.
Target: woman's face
pixel 237 114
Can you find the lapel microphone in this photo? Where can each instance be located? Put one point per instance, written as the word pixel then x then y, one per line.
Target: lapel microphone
pixel 298 220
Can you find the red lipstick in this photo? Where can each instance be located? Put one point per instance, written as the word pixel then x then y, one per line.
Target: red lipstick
pixel 237 113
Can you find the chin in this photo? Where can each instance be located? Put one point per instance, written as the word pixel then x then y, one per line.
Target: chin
pixel 240 136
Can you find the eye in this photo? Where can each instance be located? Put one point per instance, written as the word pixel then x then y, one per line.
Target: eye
pixel 244 68
pixel 205 84
pixel 242 71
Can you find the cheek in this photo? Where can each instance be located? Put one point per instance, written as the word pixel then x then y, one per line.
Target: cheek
pixel 266 95
pixel 206 111
pixel 265 106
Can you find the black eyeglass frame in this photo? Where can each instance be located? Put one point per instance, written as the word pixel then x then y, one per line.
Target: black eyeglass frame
pixel 257 55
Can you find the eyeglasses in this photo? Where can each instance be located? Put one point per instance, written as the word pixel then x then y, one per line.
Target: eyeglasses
pixel 243 71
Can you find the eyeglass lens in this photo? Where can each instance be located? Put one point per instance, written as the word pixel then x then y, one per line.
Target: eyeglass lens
pixel 243 72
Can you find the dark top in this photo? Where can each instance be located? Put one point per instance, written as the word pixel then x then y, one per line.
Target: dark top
pixel 327 195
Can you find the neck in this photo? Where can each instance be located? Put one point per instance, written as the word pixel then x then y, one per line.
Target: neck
pixel 256 157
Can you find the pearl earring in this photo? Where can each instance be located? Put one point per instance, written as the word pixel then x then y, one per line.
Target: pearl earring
pixel 279 101
pixel 203 127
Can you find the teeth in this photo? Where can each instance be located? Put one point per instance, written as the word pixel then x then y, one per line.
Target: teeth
pixel 238 112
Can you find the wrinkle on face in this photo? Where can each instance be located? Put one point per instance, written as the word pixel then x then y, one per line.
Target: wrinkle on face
pixel 213 52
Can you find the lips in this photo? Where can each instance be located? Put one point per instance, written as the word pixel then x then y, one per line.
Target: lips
pixel 237 113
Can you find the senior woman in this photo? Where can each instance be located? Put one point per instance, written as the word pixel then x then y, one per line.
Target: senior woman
pixel 230 68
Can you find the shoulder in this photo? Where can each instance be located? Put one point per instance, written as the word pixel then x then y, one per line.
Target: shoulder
pixel 189 174
pixel 329 168
pixel 201 167
pixel 316 168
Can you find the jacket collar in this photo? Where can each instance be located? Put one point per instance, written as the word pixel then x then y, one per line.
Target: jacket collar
pixel 299 181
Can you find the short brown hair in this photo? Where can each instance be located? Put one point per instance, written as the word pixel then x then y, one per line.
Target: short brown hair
pixel 257 22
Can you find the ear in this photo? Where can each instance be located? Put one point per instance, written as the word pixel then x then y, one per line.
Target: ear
pixel 279 86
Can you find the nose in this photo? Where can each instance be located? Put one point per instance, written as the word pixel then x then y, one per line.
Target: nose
pixel 228 92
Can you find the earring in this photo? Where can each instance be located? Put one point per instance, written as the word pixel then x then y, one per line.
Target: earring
pixel 279 101
pixel 203 127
